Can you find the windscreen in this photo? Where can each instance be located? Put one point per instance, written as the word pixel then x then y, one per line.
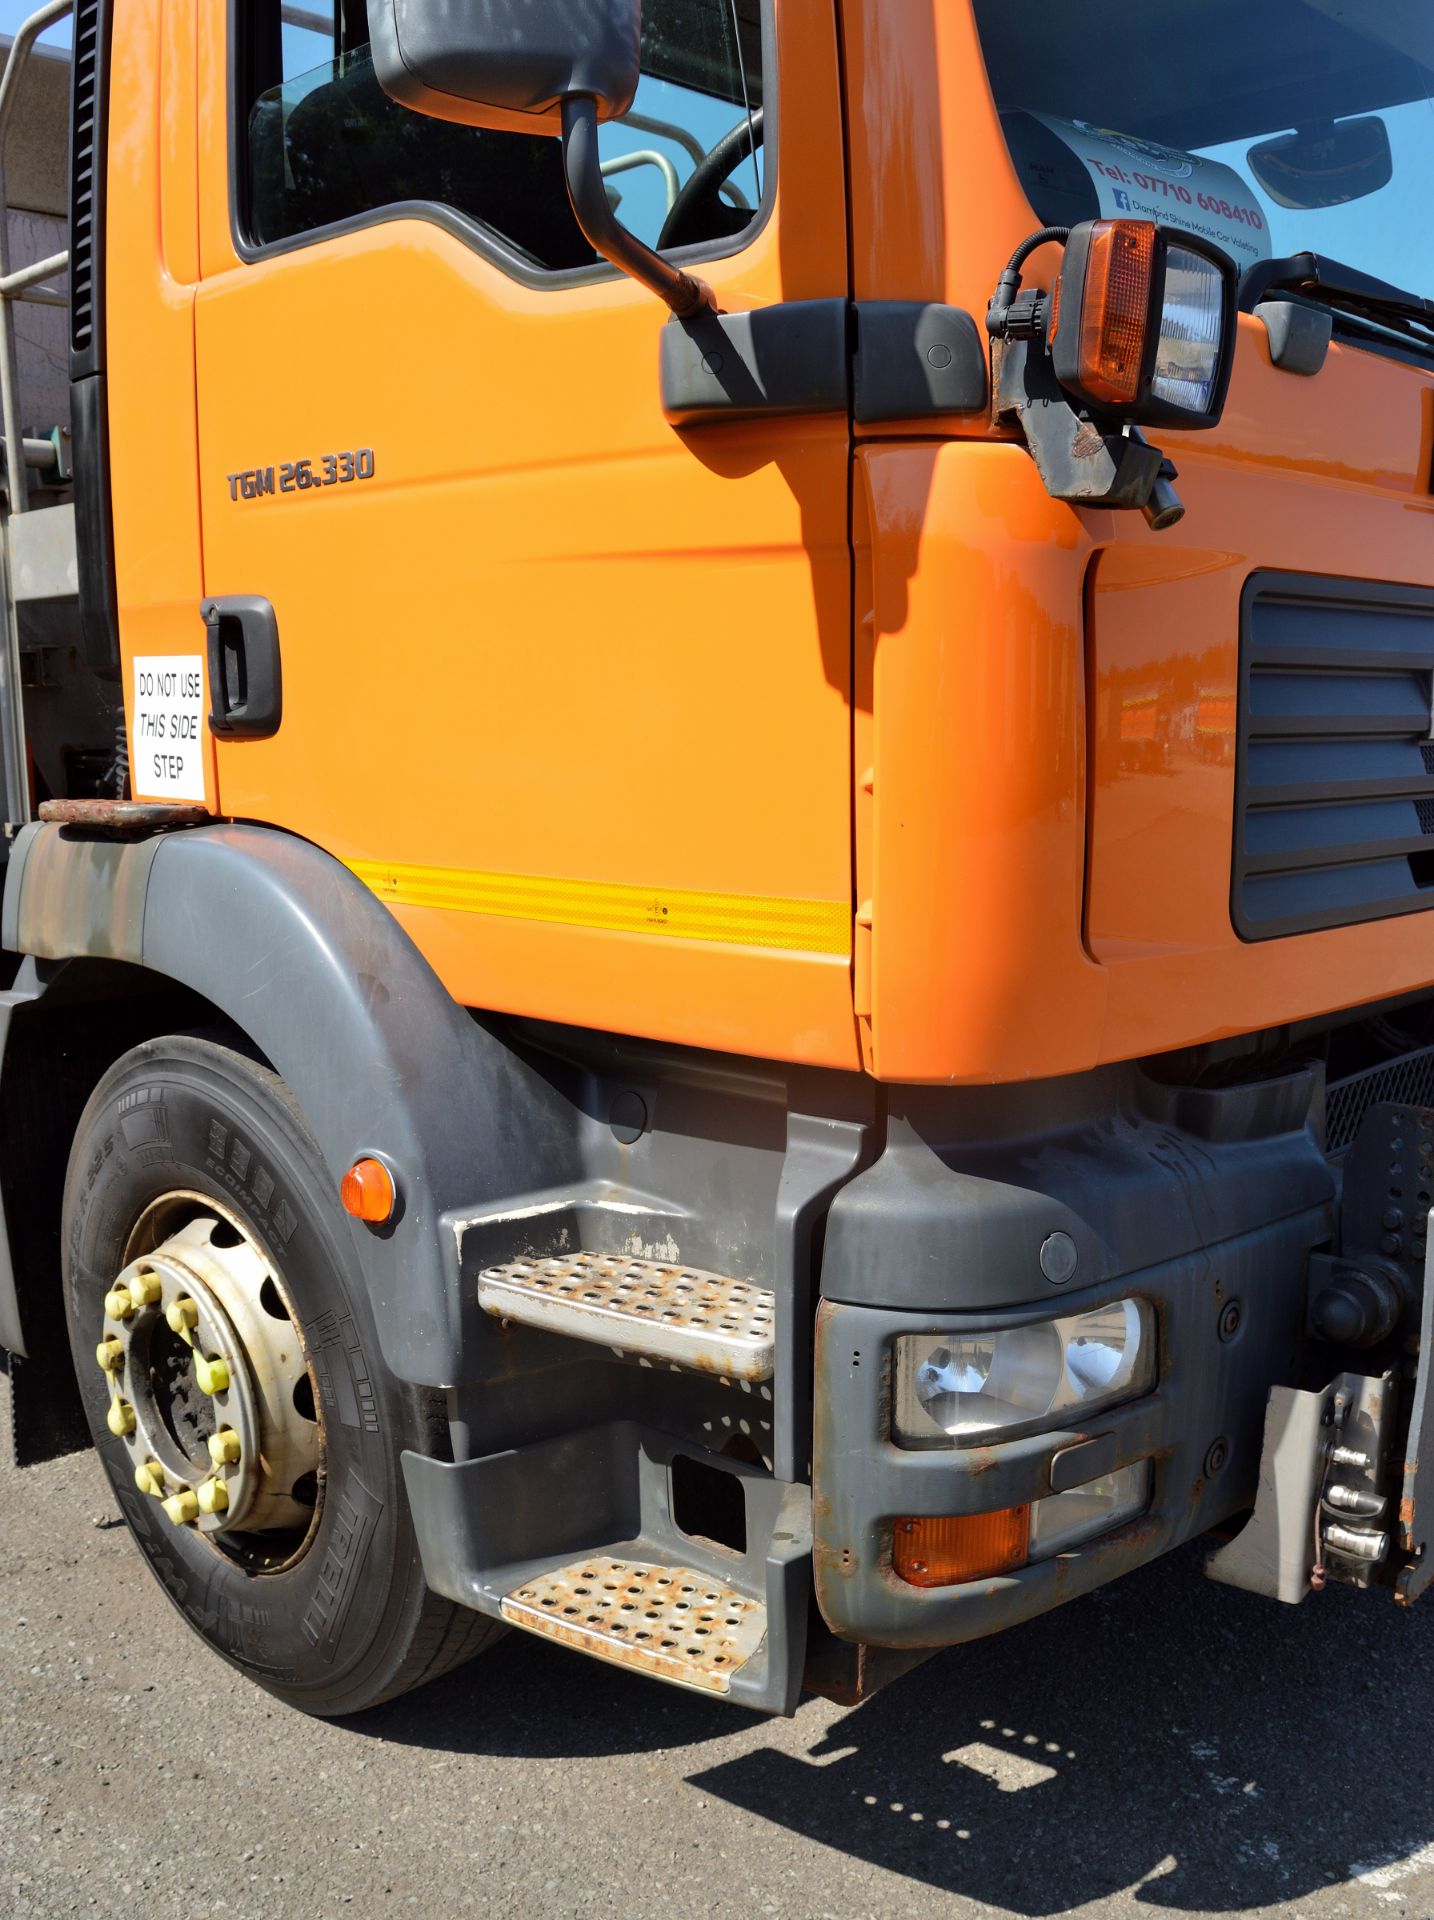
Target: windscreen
pixel 1272 128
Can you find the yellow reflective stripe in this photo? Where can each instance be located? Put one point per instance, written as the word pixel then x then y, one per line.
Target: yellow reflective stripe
pixel 739 919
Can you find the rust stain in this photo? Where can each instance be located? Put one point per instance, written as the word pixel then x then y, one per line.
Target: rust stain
pixel 121 819
pixel 670 1622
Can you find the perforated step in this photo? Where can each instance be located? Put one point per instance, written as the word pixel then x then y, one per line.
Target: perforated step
pixel 679 1314
pixel 667 1621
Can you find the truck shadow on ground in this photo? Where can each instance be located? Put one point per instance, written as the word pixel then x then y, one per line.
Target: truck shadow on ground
pixel 1212 1750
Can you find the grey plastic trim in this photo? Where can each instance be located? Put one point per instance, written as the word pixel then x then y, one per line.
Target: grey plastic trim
pixel 786 359
pixel 954 1213
pixel 884 359
pixel 916 358
pixel 1319 904
pixel 481 1532
pixel 376 1052
pixel 487 241
pixel 1299 335
pixel 247 622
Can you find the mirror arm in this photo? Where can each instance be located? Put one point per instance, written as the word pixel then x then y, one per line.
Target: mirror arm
pixel 683 292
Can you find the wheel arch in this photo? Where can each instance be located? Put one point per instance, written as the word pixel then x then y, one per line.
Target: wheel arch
pixel 279 941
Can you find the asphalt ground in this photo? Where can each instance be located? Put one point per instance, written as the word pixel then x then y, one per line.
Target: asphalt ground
pixel 1164 1745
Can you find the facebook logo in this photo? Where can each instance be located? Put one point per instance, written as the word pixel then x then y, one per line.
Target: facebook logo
pixel 1121 198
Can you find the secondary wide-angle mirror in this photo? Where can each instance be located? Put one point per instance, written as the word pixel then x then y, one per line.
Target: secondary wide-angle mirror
pixel 1325 166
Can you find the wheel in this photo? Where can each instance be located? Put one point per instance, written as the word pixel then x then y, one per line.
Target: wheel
pixel 240 1404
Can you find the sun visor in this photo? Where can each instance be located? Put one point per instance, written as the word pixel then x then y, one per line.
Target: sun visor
pixel 1071 171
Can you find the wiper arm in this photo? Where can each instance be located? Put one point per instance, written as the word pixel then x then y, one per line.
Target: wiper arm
pixel 1332 284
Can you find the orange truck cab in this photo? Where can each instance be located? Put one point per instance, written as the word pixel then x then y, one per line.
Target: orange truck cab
pixel 718 732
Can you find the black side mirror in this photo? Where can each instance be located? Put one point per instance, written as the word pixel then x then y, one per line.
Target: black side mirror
pixel 532 66
pixel 506 63
pixel 1325 166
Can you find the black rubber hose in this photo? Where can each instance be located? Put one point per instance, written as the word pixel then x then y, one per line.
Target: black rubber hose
pixel 1009 283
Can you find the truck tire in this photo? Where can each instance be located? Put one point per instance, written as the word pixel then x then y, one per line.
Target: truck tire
pixel 241 1407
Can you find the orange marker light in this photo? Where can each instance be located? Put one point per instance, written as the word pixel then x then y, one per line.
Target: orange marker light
pixel 368 1192
pixel 1115 313
pixel 943 1551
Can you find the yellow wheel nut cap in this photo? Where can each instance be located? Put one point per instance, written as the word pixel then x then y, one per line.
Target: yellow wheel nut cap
pixel 182 1507
pixel 224 1447
pixel 145 1290
pixel 183 1317
pixel 110 1354
pixel 150 1479
pixel 212 1375
pixel 213 1497
pixel 120 1418
pixel 119 1304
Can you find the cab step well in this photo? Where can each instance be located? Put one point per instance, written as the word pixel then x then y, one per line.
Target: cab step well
pixel 680 1315
pixel 671 1622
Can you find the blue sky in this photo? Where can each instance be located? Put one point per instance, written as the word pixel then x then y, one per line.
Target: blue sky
pixel 13 12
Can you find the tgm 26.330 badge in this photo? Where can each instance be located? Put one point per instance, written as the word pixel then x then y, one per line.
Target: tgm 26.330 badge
pixel 302 476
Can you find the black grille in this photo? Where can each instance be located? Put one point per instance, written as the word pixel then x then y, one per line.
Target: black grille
pixel 1407 1081
pixel 1334 805
pixel 87 139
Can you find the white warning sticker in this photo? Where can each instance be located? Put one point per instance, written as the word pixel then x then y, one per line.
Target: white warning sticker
pixel 1143 180
pixel 167 727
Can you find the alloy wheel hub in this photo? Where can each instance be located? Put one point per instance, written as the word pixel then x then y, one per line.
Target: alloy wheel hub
pixel 209 1386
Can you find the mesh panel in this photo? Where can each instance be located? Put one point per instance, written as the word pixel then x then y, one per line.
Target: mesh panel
pixel 1407 1081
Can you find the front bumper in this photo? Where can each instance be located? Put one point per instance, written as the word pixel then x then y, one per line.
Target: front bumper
pixel 1229 1307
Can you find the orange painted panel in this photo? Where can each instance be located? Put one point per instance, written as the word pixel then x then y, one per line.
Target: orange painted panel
pixel 551 641
pixel 150 260
pixel 978 775
pixel 1271 487
pixel 997 618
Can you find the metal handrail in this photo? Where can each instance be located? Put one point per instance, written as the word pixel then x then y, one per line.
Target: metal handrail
pixel 14 283
pixel 645 157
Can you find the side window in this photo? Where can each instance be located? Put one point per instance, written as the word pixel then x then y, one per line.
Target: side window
pixel 319 141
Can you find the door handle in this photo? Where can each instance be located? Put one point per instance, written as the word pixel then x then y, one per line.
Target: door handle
pixel 246 688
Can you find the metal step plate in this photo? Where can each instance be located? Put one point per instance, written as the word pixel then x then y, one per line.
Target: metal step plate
pixel 667 1621
pixel 681 1314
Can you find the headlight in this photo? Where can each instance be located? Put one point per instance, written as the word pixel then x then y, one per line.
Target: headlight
pixel 1187 348
pixel 1141 325
pixel 959 1388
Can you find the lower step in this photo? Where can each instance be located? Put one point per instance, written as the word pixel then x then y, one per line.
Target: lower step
pixel 667 1621
pixel 679 1314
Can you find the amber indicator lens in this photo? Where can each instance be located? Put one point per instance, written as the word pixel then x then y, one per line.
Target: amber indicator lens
pixel 1115 312
pixel 950 1548
pixel 367 1192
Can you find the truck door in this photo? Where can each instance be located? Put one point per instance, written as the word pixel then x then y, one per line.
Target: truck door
pixel 567 686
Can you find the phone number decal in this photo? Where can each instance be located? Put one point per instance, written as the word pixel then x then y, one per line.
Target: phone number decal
pixel 303 476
